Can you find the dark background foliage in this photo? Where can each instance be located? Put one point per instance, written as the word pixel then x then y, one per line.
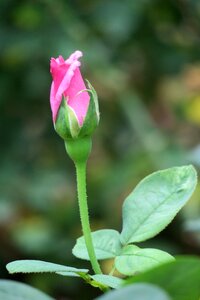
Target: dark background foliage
pixel 143 59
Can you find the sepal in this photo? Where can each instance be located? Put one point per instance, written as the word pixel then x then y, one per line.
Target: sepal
pixel 67 125
pixel 92 117
pixel 73 122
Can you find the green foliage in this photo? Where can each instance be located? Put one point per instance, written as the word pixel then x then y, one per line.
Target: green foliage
pixel 179 278
pixel 147 210
pixel 13 290
pixel 108 280
pixel 135 260
pixel 155 202
pixel 37 266
pixel 106 243
pixel 137 291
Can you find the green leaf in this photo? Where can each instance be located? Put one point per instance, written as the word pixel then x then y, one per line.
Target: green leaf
pixel 155 202
pixel 108 280
pixel 134 260
pixel 106 245
pixel 13 290
pixel 179 278
pixel 38 266
pixel 70 274
pixel 136 292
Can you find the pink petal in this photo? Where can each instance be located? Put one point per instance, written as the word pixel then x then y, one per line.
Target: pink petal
pixel 67 81
pixel 73 57
pixel 54 104
pixel 64 84
pixel 78 100
pixel 58 71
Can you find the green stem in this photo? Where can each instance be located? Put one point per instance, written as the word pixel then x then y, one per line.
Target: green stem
pixel 83 207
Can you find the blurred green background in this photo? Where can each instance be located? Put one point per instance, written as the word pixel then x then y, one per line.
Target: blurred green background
pixel 143 58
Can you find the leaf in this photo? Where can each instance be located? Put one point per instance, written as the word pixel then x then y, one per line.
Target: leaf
pixel 155 202
pixel 179 278
pixel 106 245
pixel 13 290
pixel 70 274
pixel 134 259
pixel 108 280
pixel 38 266
pixel 138 291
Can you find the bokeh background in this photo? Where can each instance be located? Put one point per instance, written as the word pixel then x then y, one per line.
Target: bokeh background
pixel 143 58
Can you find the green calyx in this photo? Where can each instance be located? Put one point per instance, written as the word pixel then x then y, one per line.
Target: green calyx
pixel 67 125
pixel 79 149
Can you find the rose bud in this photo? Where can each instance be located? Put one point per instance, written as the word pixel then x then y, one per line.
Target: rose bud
pixel 74 107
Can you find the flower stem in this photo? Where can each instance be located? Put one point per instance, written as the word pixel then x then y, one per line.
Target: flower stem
pixel 83 207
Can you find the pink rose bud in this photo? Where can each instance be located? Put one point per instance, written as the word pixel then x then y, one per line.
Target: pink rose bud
pixel 74 107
